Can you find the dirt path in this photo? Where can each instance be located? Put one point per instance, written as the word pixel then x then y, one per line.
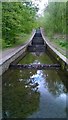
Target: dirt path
pixel 8 51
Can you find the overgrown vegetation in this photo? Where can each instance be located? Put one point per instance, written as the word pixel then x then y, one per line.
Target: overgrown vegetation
pixel 18 19
pixel 0 26
pixel 55 18
pixel 55 22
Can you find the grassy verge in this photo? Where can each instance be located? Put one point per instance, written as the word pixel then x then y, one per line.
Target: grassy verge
pixel 0 44
pixel 62 46
pixel 59 42
pixel 20 40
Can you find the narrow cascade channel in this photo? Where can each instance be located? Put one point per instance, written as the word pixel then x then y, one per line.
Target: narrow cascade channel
pixel 31 93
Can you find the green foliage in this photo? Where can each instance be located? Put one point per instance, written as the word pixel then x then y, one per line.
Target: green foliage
pixel 17 18
pixel 67 17
pixel 0 26
pixel 20 40
pixel 62 43
pixel 55 18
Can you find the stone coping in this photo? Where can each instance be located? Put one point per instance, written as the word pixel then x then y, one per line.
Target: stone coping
pixel 55 51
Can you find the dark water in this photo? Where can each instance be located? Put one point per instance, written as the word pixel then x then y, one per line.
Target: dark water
pixel 34 93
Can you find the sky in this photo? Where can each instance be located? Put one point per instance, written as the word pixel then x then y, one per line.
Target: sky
pixel 41 5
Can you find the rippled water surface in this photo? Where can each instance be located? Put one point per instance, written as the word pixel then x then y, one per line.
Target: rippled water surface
pixel 31 93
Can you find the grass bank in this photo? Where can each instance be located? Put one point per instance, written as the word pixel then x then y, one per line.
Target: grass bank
pixel 58 41
pixel 20 40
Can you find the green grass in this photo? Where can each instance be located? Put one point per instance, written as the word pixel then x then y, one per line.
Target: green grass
pixel 0 44
pixel 20 40
pixel 61 43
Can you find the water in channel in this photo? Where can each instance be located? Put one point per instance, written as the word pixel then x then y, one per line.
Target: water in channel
pixel 31 93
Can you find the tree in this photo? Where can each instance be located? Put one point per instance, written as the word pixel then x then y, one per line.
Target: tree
pixel 55 18
pixel 16 18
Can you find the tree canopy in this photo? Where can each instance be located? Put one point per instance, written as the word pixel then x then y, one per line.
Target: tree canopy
pixel 55 17
pixel 17 17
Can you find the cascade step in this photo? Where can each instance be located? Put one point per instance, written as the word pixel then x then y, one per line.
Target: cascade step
pixel 36 48
pixel 38 38
pixel 35 66
pixel 37 41
pixel 38 35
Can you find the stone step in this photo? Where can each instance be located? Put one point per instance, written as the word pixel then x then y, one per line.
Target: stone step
pixel 36 48
pixel 38 35
pixel 37 41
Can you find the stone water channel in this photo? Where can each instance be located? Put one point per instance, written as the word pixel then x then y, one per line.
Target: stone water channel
pixel 34 93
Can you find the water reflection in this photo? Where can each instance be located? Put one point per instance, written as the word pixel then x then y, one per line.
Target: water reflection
pixel 20 97
pixel 34 93
pixel 54 84
pixel 50 107
pixel 26 92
